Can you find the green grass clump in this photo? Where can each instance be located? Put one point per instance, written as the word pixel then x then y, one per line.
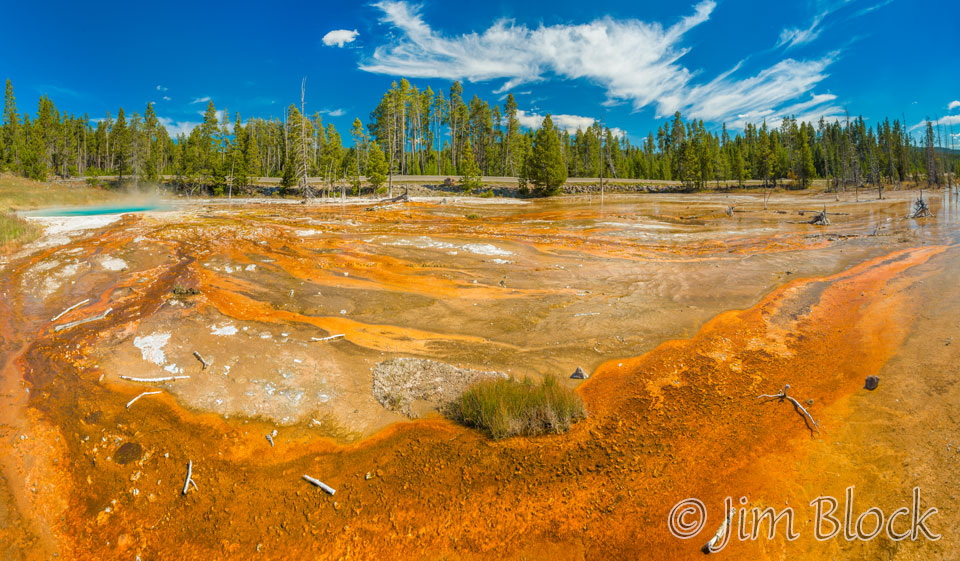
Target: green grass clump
pixel 505 407
pixel 16 229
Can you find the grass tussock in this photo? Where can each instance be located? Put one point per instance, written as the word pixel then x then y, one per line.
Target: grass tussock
pixel 509 407
pixel 16 230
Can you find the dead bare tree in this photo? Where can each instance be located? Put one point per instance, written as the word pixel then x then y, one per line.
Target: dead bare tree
pixel 302 160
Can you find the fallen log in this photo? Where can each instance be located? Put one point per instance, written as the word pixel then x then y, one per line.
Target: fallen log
pixel 820 218
pixel 399 198
pixel 63 326
pixel 70 309
pixel 320 484
pixel 134 400
pixel 160 379
pixel 330 338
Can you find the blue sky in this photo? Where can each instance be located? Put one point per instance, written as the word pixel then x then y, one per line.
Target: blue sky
pixel 630 63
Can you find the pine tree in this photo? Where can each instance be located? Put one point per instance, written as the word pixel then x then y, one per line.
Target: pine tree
pixel 471 172
pixel 545 167
pixel 11 132
pixel 238 157
pixel 806 168
pixel 119 141
pixel 358 138
pixel 376 166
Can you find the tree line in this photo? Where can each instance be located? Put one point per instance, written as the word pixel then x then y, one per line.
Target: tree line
pixel 422 132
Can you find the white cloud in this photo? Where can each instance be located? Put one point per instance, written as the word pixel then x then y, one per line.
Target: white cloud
pixel 162 88
pixel 569 123
pixel 795 36
pixel 203 99
pixel 333 112
pixel 633 60
pixel 869 9
pixel 166 98
pixel 948 120
pixel 953 105
pixel 220 113
pixel 339 37
pixel 177 127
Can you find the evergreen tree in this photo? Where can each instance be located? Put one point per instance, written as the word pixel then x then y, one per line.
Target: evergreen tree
pixel 358 139
pixel 11 131
pixel 471 172
pixel 376 166
pixel 238 157
pixel 119 139
pixel 806 167
pixel 545 167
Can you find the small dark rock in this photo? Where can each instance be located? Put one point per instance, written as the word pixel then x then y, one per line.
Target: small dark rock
pixel 127 453
pixel 579 374
pixel 872 383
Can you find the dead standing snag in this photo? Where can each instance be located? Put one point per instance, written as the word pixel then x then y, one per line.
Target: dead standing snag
pixel 807 418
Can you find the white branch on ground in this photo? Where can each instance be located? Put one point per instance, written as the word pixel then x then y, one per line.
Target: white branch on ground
pixel 70 309
pixel 161 379
pixel 132 401
pixel 782 394
pixel 320 484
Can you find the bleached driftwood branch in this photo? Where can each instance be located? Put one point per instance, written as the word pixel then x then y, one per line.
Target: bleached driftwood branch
pixel 161 379
pixel 320 484
pixel 202 361
pixel 132 401
pixel 82 321
pixel 330 338
pixel 189 481
pixel 270 440
pixel 70 309
pixel 708 547
pixel 782 394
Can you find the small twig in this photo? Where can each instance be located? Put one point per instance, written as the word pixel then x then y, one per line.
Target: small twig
pixel 162 379
pixel 70 309
pixel 270 440
pixel 317 339
pixel 708 547
pixel 320 484
pixel 82 321
pixel 132 401
pixel 202 361
pixel 189 481
pixel 782 394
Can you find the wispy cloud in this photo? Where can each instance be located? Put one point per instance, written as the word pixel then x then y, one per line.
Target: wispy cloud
pixel 635 61
pixel 203 99
pixel 162 88
pixel 953 105
pixel 339 37
pixel 793 37
pixel 868 9
pixel 167 98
